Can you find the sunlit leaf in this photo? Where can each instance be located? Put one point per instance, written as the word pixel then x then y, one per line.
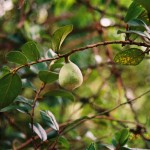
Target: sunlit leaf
pixel 38 129
pixel 10 87
pixel 31 51
pixel 131 56
pixel 48 76
pixel 59 36
pixel 50 119
pixel 17 57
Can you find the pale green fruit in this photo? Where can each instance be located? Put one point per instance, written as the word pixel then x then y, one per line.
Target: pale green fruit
pixel 70 76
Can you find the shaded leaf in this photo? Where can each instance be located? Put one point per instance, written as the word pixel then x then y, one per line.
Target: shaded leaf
pixel 4 71
pixel 145 4
pixel 64 142
pixel 31 51
pixel 138 22
pixel 122 137
pixel 59 36
pixel 38 67
pixel 131 56
pixel 10 108
pixel 91 147
pixel 17 57
pixel 133 12
pixel 50 54
pixel 48 76
pixel 10 87
pixel 38 129
pixel 24 100
pixel 134 32
pixel 50 119
pixel 61 93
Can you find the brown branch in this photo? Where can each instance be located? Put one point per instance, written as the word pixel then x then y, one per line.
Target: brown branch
pixel 32 113
pixel 82 49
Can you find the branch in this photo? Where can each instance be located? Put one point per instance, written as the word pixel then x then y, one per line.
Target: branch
pixel 82 49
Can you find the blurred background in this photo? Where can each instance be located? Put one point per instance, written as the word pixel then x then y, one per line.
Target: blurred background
pixel 105 84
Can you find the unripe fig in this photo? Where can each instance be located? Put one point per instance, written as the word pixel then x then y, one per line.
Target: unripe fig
pixel 70 76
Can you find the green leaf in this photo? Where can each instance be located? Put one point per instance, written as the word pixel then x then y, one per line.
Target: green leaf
pixel 61 93
pixel 50 119
pixel 122 137
pixel 133 12
pixel 4 71
pixel 17 57
pixel 64 143
pixel 39 67
pixel 134 32
pixel 38 129
pixel 10 87
pixel 145 4
pixel 59 36
pixel 48 76
pixel 91 147
pixel 138 22
pixel 132 56
pixel 31 51
pixel 24 100
pixel 10 108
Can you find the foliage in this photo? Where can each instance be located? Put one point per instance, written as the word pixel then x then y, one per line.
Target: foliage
pixel 112 51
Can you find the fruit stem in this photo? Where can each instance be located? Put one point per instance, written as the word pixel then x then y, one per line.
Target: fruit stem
pixel 67 59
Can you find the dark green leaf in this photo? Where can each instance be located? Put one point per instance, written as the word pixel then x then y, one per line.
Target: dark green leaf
pixel 131 56
pixel 10 108
pixel 61 93
pixel 133 12
pixel 38 129
pixel 50 54
pixel 122 137
pixel 10 87
pixel 144 3
pixel 64 143
pixel 31 51
pixel 4 71
pixel 24 108
pixel 134 32
pixel 38 67
pixel 91 147
pixel 48 76
pixel 59 36
pixel 138 22
pixel 17 57
pixel 50 119
pixel 22 99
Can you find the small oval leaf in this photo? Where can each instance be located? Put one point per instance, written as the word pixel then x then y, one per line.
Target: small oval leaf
pixel 59 36
pixel 131 56
pixel 17 57
pixel 38 129
pixel 50 119
pixel 31 51
pixel 10 87
pixel 48 76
